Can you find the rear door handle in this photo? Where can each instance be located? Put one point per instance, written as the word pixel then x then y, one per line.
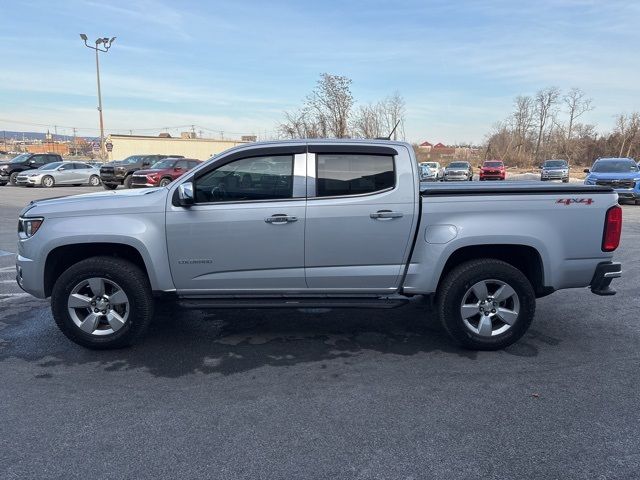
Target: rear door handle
pixel 380 214
pixel 281 219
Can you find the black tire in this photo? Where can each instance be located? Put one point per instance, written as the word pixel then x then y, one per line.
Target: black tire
pixel 110 186
pixel 13 178
pixel 458 282
pixel 127 181
pixel 566 180
pixel 164 182
pixel 133 282
pixel 94 180
pixel 48 181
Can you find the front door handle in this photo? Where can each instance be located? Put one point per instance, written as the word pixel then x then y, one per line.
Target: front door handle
pixel 280 219
pixel 380 214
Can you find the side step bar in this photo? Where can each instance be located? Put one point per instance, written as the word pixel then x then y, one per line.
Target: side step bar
pixel 292 302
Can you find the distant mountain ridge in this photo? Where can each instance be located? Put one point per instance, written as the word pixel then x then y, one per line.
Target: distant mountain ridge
pixel 30 136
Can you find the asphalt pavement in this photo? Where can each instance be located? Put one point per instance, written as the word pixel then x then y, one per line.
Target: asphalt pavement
pixel 334 394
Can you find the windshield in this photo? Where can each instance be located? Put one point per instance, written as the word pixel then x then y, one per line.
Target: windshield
pixel 459 165
pixel 493 164
pixel 50 166
pixel 615 166
pixel 162 164
pixel 132 159
pixel 555 164
pixel 20 158
pixel 431 164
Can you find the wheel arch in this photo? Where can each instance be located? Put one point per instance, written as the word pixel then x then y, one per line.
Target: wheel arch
pixel 61 258
pixel 525 258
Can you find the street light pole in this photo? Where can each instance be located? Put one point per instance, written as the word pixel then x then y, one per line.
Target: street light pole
pixel 106 43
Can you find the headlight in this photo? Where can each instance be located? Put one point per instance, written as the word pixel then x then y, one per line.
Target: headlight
pixel 27 227
pixel 119 169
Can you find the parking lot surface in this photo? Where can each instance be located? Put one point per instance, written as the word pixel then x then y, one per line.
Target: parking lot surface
pixel 332 394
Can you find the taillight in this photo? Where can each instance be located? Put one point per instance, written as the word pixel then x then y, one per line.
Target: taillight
pixel 612 229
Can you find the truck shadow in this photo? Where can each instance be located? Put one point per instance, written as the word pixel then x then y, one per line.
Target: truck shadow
pixel 226 342
pixel 182 342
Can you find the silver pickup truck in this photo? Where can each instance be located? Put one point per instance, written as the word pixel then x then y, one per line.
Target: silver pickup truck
pixel 317 224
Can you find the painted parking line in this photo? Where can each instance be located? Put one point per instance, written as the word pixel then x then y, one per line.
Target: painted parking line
pixel 5 253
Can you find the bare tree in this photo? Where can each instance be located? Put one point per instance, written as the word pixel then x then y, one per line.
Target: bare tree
pixel 545 103
pixel 523 119
pixel 394 111
pixel 368 121
pixel 332 100
pixel 577 103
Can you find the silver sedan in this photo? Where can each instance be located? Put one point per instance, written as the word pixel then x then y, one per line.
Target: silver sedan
pixel 61 173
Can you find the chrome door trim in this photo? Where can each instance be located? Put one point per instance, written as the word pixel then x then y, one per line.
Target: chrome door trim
pixel 299 175
pixel 311 175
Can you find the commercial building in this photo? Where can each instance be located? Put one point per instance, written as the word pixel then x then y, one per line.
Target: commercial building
pixel 122 146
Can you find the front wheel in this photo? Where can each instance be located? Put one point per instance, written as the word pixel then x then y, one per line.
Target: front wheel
pixel 486 304
pixel 48 182
pixel 94 180
pixel 127 181
pixel 110 186
pixel 102 303
pixel 164 182
pixel 13 178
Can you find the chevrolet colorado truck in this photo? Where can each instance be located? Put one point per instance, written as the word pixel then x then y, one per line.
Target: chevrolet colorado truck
pixel 312 224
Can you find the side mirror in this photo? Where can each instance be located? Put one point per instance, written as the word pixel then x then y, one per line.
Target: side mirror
pixel 586 170
pixel 185 194
pixel 539 166
pixel 32 161
pixel 61 168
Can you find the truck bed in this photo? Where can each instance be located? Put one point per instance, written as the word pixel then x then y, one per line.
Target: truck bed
pixel 506 188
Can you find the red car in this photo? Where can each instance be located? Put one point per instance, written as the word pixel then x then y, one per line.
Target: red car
pixel 162 173
pixel 492 170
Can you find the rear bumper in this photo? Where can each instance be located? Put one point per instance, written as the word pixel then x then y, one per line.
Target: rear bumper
pixel 604 274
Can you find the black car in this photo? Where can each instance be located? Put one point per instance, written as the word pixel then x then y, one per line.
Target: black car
pixel 26 161
pixel 119 172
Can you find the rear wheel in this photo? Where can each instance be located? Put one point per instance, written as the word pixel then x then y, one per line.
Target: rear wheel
pixel 48 181
pixel 102 303
pixel 94 180
pixel 486 304
pixel 110 186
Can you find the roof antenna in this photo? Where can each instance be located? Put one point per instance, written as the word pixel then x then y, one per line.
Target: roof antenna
pixel 388 137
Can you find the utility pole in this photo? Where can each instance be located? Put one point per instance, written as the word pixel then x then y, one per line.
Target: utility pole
pixel 75 145
pixel 106 42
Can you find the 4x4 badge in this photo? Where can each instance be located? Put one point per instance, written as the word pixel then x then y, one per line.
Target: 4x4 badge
pixel 569 201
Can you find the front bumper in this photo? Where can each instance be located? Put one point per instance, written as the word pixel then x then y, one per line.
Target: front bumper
pixel 28 180
pixel 4 178
pixel 554 175
pixel 601 281
pixel 628 193
pixel 492 177
pixel 453 178
pixel 111 178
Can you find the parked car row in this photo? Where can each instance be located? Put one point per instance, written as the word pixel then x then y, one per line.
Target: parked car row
pixel 145 171
pixel 47 170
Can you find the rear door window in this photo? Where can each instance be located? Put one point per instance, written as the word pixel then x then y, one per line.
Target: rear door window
pixel 353 174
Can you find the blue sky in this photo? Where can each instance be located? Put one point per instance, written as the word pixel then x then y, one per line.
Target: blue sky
pixel 236 66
